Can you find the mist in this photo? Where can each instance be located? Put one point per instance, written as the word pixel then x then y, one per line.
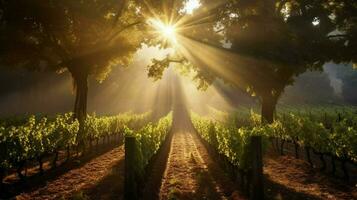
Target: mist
pixel 129 89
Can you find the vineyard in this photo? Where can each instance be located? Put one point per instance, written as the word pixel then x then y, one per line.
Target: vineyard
pixel 178 100
pixel 325 134
pixel 324 139
pixel 41 137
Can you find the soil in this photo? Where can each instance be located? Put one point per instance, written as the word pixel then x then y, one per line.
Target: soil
pixel 86 181
pixel 290 178
pixel 191 172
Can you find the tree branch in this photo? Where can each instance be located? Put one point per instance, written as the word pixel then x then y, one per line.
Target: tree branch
pixel 53 40
pixel 114 35
pixel 175 61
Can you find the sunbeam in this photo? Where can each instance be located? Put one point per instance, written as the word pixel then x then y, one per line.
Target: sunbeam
pixel 166 32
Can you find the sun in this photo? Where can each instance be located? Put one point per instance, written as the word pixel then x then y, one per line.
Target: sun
pixel 166 32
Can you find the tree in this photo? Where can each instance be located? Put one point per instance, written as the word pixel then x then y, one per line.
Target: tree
pixel 270 43
pixel 82 37
pixel 285 38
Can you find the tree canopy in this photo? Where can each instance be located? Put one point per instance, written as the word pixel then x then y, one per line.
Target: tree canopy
pixel 257 45
pixel 261 45
pixel 83 37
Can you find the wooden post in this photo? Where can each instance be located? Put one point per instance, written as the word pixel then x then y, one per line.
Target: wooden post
pixel 130 186
pixel 257 168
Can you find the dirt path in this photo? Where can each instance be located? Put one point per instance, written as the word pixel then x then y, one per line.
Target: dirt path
pixel 191 172
pixel 82 181
pixel 290 178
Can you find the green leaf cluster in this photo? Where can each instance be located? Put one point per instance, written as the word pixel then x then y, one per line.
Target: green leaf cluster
pixel 148 141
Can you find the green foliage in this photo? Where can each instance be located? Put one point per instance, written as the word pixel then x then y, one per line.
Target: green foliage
pixel 98 127
pixel 88 36
pixel 271 43
pixel 333 133
pixel 330 130
pixel 229 140
pixel 148 140
pixel 41 136
pixel 35 138
pixel 284 38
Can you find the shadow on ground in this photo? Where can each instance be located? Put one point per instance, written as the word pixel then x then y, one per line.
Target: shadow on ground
pixel 32 183
pixel 111 186
pixel 274 190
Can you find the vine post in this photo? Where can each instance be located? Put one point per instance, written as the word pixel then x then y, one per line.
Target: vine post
pixel 130 186
pixel 257 168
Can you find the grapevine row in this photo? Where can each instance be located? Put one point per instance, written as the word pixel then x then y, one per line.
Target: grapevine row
pixel 40 137
pixel 149 139
pixel 329 134
pixel 227 139
pixel 140 148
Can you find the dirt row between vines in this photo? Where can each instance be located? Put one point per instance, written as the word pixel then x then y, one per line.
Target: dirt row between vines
pixel 100 178
pixel 293 179
pixel 192 174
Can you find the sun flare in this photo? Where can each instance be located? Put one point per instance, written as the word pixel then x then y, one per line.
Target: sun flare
pixel 166 31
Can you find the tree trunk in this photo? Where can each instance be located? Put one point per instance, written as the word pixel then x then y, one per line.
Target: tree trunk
pixel 80 78
pixel 268 108
pixel 80 106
